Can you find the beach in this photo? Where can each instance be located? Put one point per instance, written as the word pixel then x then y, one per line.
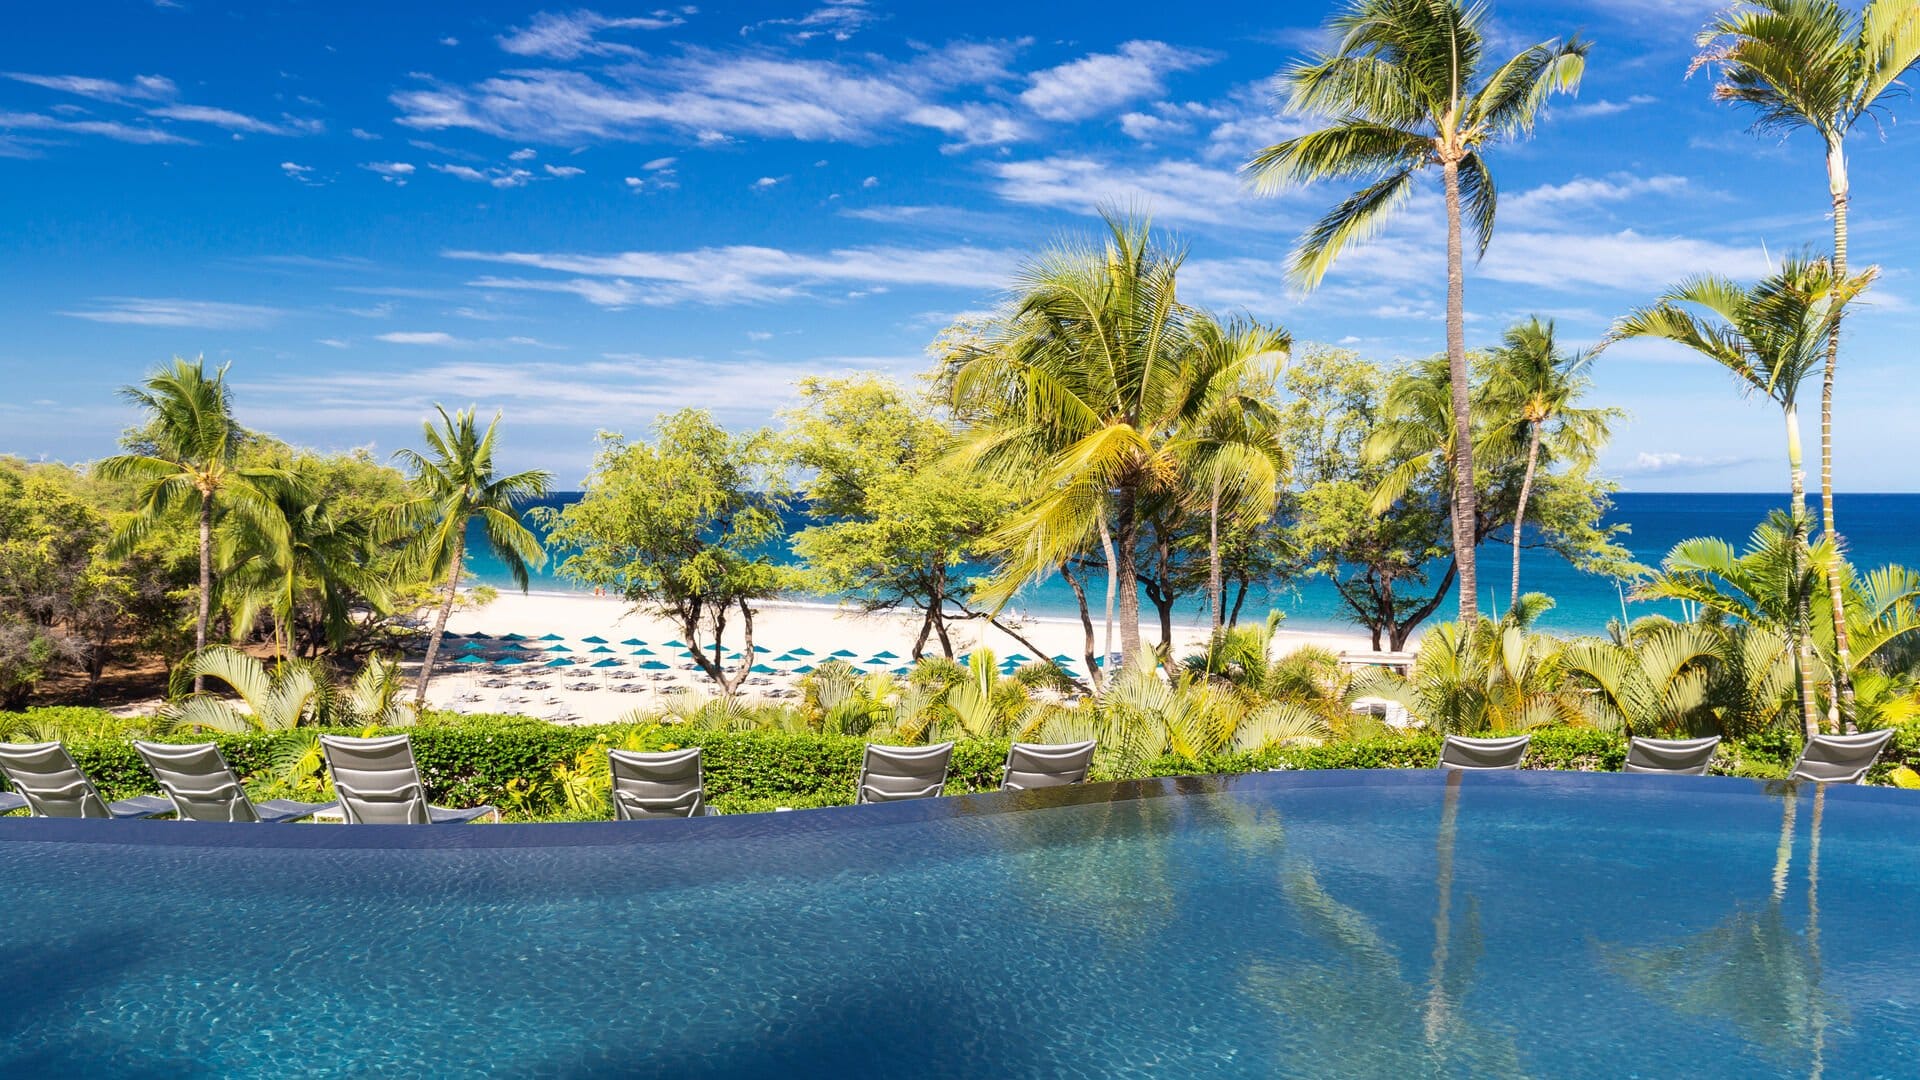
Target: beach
pixel 779 627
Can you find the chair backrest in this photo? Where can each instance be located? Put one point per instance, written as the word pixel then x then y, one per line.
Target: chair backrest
pixel 665 784
pixel 44 774
pixel 1038 765
pixel 1460 752
pixel 196 777
pixel 1677 757
pixel 376 780
pixel 892 773
pixel 1840 759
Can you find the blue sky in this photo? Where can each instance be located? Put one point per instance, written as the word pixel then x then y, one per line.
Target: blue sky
pixel 584 216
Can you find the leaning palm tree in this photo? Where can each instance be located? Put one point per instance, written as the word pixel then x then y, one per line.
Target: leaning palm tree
pixel 1772 337
pixel 1812 64
pixel 1404 87
pixel 455 484
pixel 1080 394
pixel 1535 385
pixel 191 460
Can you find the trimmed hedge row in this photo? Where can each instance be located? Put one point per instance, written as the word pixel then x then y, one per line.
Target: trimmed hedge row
pixel 467 760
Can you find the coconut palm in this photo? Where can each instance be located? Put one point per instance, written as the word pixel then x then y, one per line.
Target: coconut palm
pixel 1813 64
pixel 456 483
pixel 191 459
pixel 321 568
pixel 1535 385
pixel 1772 337
pixel 1081 394
pixel 1407 88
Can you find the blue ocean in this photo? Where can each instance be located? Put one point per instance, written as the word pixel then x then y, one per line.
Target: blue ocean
pixel 1879 529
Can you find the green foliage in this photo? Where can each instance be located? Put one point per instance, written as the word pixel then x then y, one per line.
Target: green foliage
pixel 683 528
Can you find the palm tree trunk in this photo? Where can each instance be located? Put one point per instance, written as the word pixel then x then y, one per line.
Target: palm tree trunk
pixel 1106 546
pixel 206 585
pixel 1840 706
pixel 1126 580
pixel 1086 622
pixel 440 619
pixel 1520 509
pixel 1802 633
pixel 1216 598
pixel 1463 493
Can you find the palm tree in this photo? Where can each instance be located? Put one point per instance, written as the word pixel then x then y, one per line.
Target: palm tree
pixel 320 567
pixel 1772 337
pixel 456 484
pixel 1813 64
pixel 1404 90
pixel 1534 384
pixel 1232 452
pixel 1080 394
pixel 191 459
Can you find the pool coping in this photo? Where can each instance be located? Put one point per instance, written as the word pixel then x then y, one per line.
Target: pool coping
pixel 831 819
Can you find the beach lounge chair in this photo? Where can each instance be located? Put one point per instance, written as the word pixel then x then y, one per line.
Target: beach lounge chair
pixel 1039 765
pixel 667 784
pixel 1460 752
pixel 203 788
pixel 52 786
pixel 9 802
pixel 379 784
pixel 1839 759
pixel 893 773
pixel 1675 757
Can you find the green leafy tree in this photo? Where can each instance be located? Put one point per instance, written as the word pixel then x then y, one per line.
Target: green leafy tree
pixel 684 528
pixel 894 524
pixel 1408 88
pixel 191 463
pixel 1535 395
pixel 454 483
pixel 1081 394
pixel 1772 337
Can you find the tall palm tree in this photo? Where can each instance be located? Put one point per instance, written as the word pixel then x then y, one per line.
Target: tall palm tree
pixel 1813 64
pixel 455 483
pixel 1080 393
pixel 1405 90
pixel 191 459
pixel 320 569
pixel 1231 452
pixel 1772 337
pixel 1535 385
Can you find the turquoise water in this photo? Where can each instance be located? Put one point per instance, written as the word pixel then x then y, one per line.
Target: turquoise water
pixel 1879 529
pixel 1306 924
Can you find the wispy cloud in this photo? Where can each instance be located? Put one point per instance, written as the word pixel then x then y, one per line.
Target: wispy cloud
pixel 498 177
pixel 744 274
pixel 421 337
pixel 142 87
pixel 576 34
pixel 234 121
pixel 1674 463
pixel 1100 82
pixel 393 172
pixel 1174 189
pixel 200 314
pixel 837 19
pixel 110 129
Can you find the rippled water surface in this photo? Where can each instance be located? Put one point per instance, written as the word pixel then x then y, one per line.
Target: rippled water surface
pixel 1287 924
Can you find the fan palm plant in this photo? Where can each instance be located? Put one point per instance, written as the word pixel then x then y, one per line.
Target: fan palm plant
pixel 1812 64
pixel 192 461
pixel 456 483
pixel 1534 385
pixel 1081 394
pixel 1408 88
pixel 1772 337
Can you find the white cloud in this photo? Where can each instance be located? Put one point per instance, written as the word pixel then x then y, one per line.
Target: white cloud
pixel 1579 110
pixel 870 182
pixel 365 135
pixel 1669 463
pixel 201 314
pixel 1100 82
pixel 394 172
pixel 450 41
pixel 1550 201
pixel 109 129
pixel 564 37
pixel 563 171
pixel 744 274
pixel 234 121
pixel 838 19
pixel 523 154
pixel 498 177
pixel 659 163
pixel 1626 260
pixel 766 182
pixel 333 343
pixel 1172 190
pixel 972 124
pixel 298 172
pixel 420 337
pixel 1147 127
pixel 143 87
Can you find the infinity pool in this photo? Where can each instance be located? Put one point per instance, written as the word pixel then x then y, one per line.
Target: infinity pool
pixel 1307 924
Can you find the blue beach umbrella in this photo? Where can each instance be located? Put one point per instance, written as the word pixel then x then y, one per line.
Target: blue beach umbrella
pixel 803 669
pixel 844 654
pixel 1018 658
pixel 674 645
pixel 655 665
pixel 761 649
pixel 599 648
pixel 886 654
pixel 562 662
pixel 762 669
pixel 594 640
pixel 903 670
pixel 799 652
pixel 481 635
pixel 1063 660
pixel 507 660
pixel 559 648
pixel 450 634
pixel 471 658
pixel 643 652
pixel 513 637
pixel 608 662
pixel 552 637
pixel 633 641
pixel 785 658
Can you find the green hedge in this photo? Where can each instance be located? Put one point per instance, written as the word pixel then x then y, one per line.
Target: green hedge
pixel 467 760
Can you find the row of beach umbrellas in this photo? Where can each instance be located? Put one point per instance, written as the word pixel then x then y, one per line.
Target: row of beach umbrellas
pixel 552 647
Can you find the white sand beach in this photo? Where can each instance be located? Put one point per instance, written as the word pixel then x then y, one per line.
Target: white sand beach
pixel 584 694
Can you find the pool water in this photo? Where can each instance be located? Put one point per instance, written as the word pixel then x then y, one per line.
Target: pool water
pixel 1309 924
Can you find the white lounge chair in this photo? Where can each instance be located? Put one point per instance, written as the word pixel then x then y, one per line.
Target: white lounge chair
pixel 894 773
pixel 1840 759
pixel 1675 757
pixel 1483 755
pixel 204 788
pixel 379 784
pixel 52 786
pixel 1039 765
